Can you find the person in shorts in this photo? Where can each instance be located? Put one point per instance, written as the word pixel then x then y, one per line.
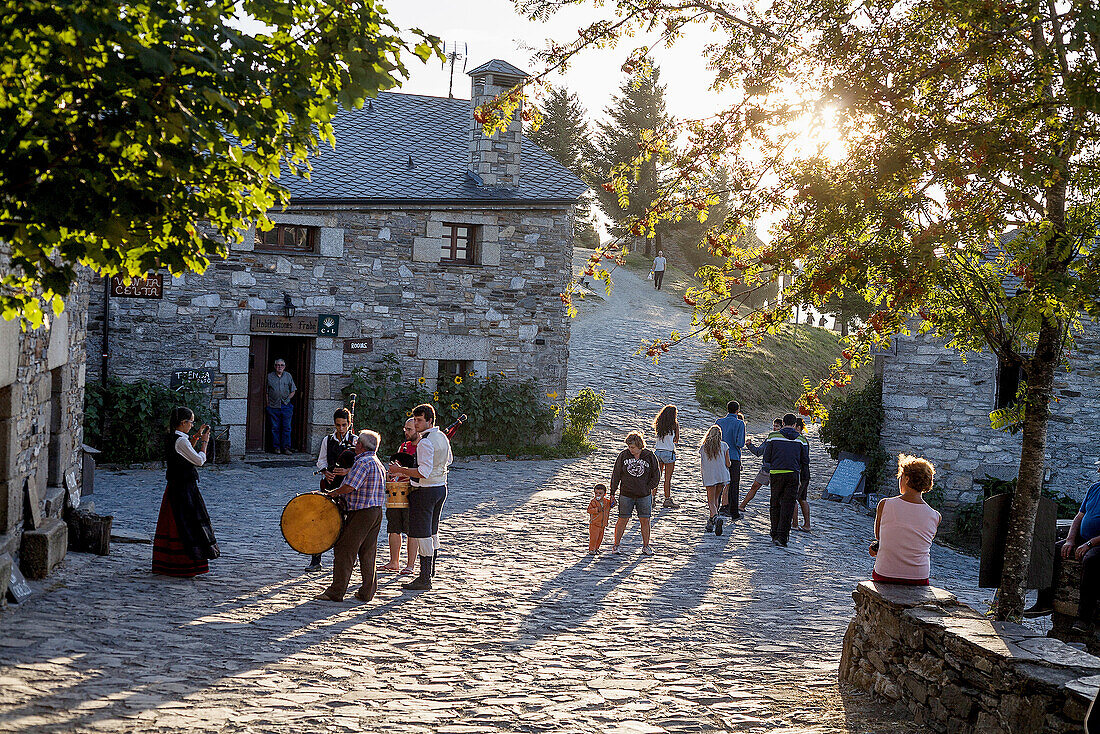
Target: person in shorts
pixel 637 473
pixel 397 518
pixel 804 485
pixel 763 477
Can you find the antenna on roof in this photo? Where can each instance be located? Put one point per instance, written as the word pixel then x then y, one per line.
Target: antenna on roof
pixel 453 55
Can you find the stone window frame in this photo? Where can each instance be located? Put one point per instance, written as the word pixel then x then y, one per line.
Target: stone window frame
pixel 450 240
pixel 329 243
pixel 280 232
pixel 457 368
pixel 428 249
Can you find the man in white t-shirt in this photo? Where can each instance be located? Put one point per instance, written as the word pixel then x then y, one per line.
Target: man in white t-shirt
pixel 658 269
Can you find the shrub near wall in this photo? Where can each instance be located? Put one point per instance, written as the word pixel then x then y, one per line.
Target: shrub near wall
pixel 854 425
pixel 134 416
pixel 501 413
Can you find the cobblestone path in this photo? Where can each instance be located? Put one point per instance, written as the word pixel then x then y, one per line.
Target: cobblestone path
pixel 524 632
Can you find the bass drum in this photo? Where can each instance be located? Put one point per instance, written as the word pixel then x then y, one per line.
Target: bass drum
pixel 311 523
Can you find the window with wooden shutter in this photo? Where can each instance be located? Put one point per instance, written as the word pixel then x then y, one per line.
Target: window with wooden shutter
pixel 459 244
pixel 287 238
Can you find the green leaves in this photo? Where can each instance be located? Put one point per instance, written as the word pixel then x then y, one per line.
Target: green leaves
pixel 137 136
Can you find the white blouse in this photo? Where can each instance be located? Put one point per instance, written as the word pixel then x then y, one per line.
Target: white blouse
pixel 187 451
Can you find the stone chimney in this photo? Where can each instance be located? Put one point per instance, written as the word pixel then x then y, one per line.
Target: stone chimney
pixel 494 161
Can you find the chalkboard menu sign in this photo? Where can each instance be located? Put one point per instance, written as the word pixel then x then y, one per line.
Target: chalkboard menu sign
pixel 848 478
pixel 204 378
pixel 151 286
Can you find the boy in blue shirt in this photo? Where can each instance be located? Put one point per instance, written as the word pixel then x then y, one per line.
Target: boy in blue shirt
pixel 733 433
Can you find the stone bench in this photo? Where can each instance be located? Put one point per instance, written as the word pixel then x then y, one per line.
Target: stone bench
pixel 957 671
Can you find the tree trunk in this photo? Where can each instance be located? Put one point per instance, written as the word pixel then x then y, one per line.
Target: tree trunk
pixel 1025 501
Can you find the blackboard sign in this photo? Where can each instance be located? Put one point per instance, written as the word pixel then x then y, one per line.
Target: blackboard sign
pixel 204 378
pixel 848 478
pixel 151 286
pixel 18 588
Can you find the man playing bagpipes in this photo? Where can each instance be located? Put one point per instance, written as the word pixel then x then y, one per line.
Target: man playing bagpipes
pixel 335 458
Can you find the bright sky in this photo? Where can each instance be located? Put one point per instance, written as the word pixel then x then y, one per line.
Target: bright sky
pixel 492 29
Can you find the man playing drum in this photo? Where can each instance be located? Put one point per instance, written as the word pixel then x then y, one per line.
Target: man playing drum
pixel 428 491
pixel 364 493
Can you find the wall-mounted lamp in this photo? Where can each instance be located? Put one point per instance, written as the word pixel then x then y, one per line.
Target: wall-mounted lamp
pixel 288 305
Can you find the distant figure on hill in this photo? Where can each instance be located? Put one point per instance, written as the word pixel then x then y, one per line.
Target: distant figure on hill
pixel 659 264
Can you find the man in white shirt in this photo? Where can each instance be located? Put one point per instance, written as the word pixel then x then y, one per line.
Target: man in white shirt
pixel 659 263
pixel 427 493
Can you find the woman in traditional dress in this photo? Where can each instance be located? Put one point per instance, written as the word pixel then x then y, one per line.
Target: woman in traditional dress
pixel 184 540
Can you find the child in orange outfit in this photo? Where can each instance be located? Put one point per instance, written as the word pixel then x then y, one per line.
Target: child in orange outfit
pixel 599 515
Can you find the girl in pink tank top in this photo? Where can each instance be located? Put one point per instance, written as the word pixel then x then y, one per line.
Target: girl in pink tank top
pixel 905 526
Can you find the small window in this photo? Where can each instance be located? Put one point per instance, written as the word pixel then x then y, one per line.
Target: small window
pixel 459 243
pixel 452 368
pixel 287 238
pixel 1008 385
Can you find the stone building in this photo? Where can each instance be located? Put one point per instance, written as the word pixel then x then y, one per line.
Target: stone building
pixel 418 236
pixel 938 406
pixel 41 414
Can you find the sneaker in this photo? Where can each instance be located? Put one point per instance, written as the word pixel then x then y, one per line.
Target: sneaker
pixel 724 510
pixel 647 550
pixel 710 524
pixel 670 504
pixel 615 549
pixel 718 527
pixel 314 568
pixel 735 516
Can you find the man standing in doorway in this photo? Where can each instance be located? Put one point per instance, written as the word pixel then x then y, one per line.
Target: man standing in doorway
pixel 427 493
pixel 789 461
pixel 280 391
pixel 659 263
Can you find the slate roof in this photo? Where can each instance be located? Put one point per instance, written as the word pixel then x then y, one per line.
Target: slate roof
pixel 373 148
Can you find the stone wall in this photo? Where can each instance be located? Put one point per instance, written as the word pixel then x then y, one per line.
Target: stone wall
pixel 41 416
pixel 937 406
pixel 1067 596
pixel 379 268
pixel 956 671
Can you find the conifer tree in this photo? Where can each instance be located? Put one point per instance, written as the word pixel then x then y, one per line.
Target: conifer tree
pixel 564 133
pixel 636 119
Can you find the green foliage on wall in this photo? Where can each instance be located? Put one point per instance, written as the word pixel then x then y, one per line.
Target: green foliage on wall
pixel 854 424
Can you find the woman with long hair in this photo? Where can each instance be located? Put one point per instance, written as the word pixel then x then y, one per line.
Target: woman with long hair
pixel 714 460
pixel 184 540
pixel 667 430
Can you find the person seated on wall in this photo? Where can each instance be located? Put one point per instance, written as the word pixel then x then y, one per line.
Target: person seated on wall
pixel 1083 544
pixel 905 526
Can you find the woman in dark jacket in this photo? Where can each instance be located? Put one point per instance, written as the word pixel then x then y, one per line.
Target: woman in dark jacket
pixel 184 540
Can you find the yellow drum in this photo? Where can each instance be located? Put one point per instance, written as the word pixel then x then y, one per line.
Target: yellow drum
pixel 311 523
pixel 397 495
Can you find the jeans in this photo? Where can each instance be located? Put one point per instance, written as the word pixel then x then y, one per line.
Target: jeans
pixel 279 421
pixel 784 494
pixel 642 505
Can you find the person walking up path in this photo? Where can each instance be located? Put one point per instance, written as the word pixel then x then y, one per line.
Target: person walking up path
pixel 667 430
pixel 733 434
pixel 714 460
pixel 763 477
pixel 804 485
pixel 787 459
pixel 637 472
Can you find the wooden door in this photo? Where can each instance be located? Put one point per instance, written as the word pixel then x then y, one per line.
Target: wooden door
pixel 257 394
pixel 303 357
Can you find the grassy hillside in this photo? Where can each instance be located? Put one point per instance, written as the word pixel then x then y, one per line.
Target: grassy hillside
pixel 767 379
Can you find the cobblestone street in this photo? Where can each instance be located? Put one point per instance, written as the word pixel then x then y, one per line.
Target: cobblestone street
pixel 523 632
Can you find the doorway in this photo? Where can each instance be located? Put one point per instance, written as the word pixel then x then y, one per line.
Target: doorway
pixel 297 352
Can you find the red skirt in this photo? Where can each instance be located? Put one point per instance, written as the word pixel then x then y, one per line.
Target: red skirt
pixel 875 576
pixel 169 556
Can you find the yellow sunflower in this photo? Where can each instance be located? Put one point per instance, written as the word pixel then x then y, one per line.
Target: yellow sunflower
pixel 454 406
pixel 422 380
pixel 409 413
pixel 551 395
pixel 435 396
pixel 471 374
pixel 458 379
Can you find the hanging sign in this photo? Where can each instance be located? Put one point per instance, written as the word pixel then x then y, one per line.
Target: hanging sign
pixel 273 324
pixel 328 324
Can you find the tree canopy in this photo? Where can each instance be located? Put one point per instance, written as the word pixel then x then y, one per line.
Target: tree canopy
pixel 939 158
pixel 128 128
